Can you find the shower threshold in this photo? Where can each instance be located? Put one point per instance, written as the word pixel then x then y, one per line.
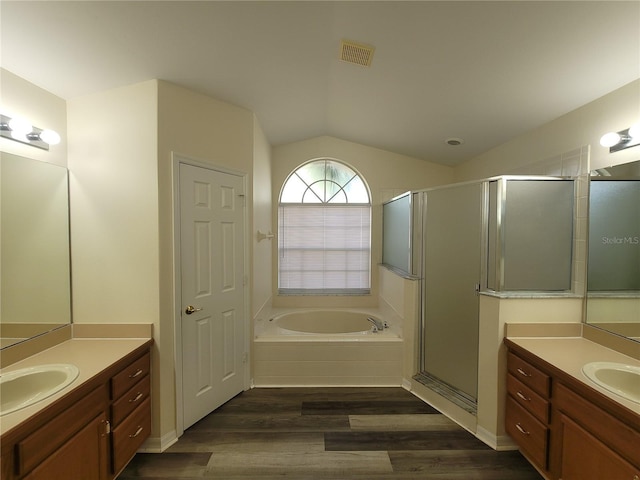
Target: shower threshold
pixel 459 398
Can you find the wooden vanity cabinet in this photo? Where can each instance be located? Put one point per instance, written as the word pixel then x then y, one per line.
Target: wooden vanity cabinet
pixel 571 431
pixel 91 433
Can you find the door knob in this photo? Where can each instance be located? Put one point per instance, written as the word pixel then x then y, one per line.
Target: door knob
pixel 191 309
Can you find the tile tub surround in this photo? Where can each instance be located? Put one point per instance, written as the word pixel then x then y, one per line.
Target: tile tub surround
pixel 328 433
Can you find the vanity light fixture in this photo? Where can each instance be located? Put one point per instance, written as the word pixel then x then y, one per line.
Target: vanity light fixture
pixel 617 141
pixel 21 130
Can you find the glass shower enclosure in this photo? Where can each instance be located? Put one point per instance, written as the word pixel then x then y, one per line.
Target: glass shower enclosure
pixel 493 237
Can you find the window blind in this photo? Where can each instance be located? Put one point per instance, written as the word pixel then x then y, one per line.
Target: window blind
pixel 324 249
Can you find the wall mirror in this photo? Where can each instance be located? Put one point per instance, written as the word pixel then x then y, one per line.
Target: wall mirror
pixel 34 253
pixel 613 268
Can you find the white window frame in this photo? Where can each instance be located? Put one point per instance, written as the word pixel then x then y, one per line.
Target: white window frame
pixel 326 237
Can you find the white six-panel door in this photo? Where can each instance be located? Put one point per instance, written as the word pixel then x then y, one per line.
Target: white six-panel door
pixel 212 290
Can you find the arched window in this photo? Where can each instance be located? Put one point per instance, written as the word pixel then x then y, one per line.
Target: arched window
pixel 324 231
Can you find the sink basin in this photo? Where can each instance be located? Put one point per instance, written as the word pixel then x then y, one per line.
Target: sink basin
pixel 621 379
pixel 24 387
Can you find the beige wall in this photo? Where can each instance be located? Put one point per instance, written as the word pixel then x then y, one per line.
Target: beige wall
pixel 262 211
pixel 613 112
pixel 41 108
pixel 114 205
pixel 387 174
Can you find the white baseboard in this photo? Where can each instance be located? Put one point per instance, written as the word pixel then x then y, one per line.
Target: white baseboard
pixel 497 442
pixel 159 444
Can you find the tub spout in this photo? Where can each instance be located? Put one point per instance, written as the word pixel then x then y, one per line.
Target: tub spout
pixel 378 326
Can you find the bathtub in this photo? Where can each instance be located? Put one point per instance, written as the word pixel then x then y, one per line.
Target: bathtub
pixel 326 347
pixel 325 322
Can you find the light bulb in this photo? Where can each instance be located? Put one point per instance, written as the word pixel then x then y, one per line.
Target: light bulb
pixel 49 136
pixel 609 139
pixel 634 131
pixel 20 127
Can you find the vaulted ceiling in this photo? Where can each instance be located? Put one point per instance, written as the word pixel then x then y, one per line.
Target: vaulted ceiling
pixel 481 71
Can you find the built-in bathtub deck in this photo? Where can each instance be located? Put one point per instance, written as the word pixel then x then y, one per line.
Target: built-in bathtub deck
pixel 325 363
pixel 286 358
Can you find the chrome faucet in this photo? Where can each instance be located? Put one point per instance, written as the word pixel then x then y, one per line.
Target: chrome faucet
pixel 378 326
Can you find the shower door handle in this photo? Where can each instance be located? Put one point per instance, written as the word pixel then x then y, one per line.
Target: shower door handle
pixel 191 309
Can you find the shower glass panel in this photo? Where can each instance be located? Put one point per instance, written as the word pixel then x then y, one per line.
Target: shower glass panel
pixel 530 234
pixel 452 258
pixel 396 233
pixel 538 217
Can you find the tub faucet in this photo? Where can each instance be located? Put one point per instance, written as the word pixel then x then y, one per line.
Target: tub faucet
pixel 378 326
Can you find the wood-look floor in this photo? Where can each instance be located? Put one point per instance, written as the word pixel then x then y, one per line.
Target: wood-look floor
pixel 328 433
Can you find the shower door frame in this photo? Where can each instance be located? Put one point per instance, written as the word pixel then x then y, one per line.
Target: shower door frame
pixel 419 217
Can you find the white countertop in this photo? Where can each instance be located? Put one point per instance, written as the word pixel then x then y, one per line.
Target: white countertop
pixel 570 354
pixel 90 355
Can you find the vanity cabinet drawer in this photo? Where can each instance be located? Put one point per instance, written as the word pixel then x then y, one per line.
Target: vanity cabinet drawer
pixel 128 402
pixel 130 434
pixel 529 433
pixel 538 381
pixel 130 375
pixel 528 399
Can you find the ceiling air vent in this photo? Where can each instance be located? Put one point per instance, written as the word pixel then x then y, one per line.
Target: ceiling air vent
pixel 357 53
